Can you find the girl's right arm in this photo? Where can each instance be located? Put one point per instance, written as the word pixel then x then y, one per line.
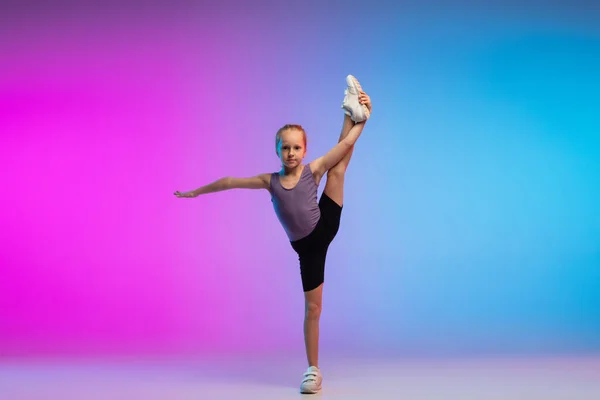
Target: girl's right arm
pixel 261 181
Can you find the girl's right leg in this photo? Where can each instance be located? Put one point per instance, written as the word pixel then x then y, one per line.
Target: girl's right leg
pixel 312 377
pixel 312 313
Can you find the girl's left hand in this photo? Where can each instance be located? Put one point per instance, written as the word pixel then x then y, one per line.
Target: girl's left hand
pixel 364 98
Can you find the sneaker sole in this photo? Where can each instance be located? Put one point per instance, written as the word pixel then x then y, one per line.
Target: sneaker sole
pixel 357 86
pixel 310 391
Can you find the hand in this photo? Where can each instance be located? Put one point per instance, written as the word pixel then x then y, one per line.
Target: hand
pixel 364 98
pixel 185 194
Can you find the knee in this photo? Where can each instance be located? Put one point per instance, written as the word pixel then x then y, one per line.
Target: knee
pixel 313 311
pixel 337 173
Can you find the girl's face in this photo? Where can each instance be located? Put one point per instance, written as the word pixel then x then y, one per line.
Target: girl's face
pixel 291 148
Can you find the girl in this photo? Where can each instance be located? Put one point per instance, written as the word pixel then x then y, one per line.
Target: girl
pixel 310 226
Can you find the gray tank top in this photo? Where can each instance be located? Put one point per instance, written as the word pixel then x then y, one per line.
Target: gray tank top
pixel 297 208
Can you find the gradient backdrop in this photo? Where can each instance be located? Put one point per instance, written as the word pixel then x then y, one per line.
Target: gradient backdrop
pixel 472 215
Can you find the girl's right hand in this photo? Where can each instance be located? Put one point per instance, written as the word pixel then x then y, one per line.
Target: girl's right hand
pixel 185 194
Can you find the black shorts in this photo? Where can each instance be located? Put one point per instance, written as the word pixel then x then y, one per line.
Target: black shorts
pixel 312 249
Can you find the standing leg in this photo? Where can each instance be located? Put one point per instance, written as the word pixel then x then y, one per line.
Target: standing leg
pixel 312 377
pixel 312 313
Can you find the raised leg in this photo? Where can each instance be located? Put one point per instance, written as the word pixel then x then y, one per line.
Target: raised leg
pixel 334 188
pixel 347 125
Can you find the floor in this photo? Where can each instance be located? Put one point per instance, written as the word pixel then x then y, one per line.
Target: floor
pixel 482 379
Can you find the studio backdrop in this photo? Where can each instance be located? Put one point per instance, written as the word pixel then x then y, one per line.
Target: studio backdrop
pixel 471 221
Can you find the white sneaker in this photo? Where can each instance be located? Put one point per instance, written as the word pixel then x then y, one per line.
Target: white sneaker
pixel 312 381
pixel 351 106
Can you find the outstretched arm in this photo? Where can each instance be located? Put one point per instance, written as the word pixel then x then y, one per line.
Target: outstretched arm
pixel 261 181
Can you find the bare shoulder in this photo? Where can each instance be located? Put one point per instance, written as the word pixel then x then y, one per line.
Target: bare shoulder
pixel 260 181
pixel 317 168
pixel 266 178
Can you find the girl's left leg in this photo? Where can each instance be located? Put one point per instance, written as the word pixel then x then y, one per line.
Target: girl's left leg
pixel 334 188
pixel 358 103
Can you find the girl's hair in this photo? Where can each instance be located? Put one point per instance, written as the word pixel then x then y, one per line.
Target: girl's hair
pixel 285 128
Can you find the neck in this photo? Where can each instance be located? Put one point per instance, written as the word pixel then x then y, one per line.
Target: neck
pixel 292 171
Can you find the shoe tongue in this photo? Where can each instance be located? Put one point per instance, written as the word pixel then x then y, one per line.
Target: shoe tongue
pixel 313 369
